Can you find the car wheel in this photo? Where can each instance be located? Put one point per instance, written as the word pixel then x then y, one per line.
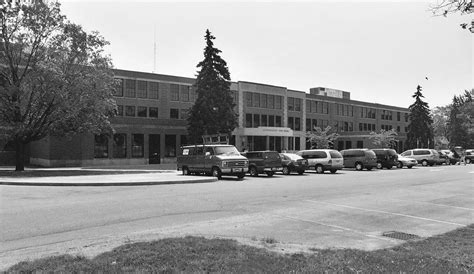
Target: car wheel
pixel 216 172
pixel 185 171
pixel 286 170
pixel 270 173
pixel 300 172
pixel 379 165
pixel 241 175
pixel 253 171
pixel 319 169
pixel 399 164
pixel 409 166
pixel 359 166
pixel 468 161
pixel 333 171
pixel 424 163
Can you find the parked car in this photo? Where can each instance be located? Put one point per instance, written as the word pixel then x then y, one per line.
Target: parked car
pixel 452 158
pixel 359 158
pixel 469 156
pixel 263 162
pixel 425 156
pixel 323 159
pixel 293 163
pixel 217 160
pixel 405 161
pixel 386 158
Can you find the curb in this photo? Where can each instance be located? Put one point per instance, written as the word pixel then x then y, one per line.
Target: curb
pixel 144 183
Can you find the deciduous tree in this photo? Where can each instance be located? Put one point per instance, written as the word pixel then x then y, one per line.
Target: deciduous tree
pixel 54 77
pixel 460 125
pixel 213 112
pixel 463 7
pixel 384 139
pixel 321 139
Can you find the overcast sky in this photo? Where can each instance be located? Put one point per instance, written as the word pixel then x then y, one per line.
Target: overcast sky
pixel 379 51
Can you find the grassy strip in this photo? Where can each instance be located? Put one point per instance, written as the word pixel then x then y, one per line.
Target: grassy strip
pixel 450 252
pixel 52 173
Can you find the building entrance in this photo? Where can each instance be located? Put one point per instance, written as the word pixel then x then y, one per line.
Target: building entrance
pixel 154 154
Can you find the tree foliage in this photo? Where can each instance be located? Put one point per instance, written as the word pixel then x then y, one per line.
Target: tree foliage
pixel 213 112
pixel 440 127
pixel 384 139
pixel 446 7
pixel 420 131
pixel 321 139
pixel 54 77
pixel 460 127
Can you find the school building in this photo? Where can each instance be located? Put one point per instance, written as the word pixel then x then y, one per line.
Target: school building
pixel 151 122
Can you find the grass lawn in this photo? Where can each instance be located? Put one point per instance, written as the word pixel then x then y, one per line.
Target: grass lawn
pixel 73 172
pixel 450 252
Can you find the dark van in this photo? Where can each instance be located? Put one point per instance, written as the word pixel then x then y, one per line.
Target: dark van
pixel 217 160
pixel 263 162
pixel 359 158
pixel 386 158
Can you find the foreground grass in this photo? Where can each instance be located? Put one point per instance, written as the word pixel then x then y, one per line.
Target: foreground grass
pixel 450 252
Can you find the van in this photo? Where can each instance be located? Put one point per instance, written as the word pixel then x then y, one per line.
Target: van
pixel 323 159
pixel 263 162
pixel 359 158
pixel 386 157
pixel 425 156
pixel 216 160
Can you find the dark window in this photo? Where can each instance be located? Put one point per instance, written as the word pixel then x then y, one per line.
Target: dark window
pixel 141 111
pixel 255 100
pixel 297 104
pixel 278 121
pixel 264 120
pixel 248 99
pixel 130 88
pixel 184 140
pixel 137 145
pixel 118 91
pixel 174 91
pixel 263 100
pixel 291 122
pixel 297 124
pixel 291 103
pixel 153 90
pixel 153 112
pixel 256 120
pixel 398 116
pixel 101 146
pixel 271 120
pixel 141 89
pixel 348 144
pixel 120 145
pixel 297 143
pixel 308 125
pixel 174 113
pixel 184 93
pixel 278 100
pixel 340 145
pixel 271 101
pixel 130 111
pixel 248 120
pixel 170 146
pixel 360 144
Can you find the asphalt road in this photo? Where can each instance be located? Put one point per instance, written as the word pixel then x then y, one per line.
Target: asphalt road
pixel 349 209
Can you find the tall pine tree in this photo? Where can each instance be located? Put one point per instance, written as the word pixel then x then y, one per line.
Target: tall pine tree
pixel 213 112
pixel 420 130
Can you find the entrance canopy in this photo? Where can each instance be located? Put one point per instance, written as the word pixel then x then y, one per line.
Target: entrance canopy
pixel 264 131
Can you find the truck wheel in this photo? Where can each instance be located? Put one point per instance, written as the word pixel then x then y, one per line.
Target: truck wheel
pixel 319 169
pixel 286 170
pixel 253 171
pixel 241 175
pixel 216 172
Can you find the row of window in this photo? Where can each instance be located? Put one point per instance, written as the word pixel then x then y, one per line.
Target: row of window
pixel 150 112
pixel 367 113
pixel 294 104
pixel 260 100
pixel 366 127
pixel 343 126
pixel 387 115
pixel 151 90
pixel 311 124
pixel 294 123
pixel 263 120
pixel 344 110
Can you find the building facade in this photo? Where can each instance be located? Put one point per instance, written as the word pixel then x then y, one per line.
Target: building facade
pixel 150 125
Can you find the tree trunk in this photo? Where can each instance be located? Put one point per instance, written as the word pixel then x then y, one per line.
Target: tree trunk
pixel 20 155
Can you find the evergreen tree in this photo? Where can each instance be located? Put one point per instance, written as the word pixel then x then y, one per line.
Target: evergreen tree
pixel 420 131
pixel 213 112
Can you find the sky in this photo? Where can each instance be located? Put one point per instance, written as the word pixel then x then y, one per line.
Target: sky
pixel 379 51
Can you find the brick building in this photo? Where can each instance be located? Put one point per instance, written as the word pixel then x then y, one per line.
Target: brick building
pixel 151 122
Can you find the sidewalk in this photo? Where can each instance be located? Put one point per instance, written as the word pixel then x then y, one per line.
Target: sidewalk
pixel 140 175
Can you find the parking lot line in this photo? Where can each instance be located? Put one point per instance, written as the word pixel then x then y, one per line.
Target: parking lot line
pixel 333 226
pixel 387 212
pixel 435 204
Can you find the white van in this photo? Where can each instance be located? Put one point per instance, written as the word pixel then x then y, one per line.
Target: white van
pixel 323 159
pixel 425 156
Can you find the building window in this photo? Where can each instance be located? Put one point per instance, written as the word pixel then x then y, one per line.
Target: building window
pixel 183 114
pixel 291 122
pixel 308 125
pixel 255 100
pixel 141 89
pixel 297 104
pixel 360 144
pixel 120 145
pixel 278 103
pixel 291 103
pixel 130 88
pixel 271 101
pixel 184 93
pixel 170 145
pixel 153 112
pixel 271 120
pixel 119 110
pixel 248 99
pixel 256 120
pixel 174 90
pixel 264 120
pixel 153 90
pixel 297 143
pixel 348 144
pixel 248 120
pixel 141 111
pixel 263 100
pixel 297 124
pixel 278 121
pixel 325 107
pixel 174 113
pixel 137 145
pixel 118 91
pixel 101 146
pixel 130 111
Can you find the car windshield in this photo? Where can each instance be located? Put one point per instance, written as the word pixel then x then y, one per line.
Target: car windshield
pixel 227 150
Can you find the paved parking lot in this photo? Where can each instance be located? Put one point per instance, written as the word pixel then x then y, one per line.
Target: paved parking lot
pixel 349 209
